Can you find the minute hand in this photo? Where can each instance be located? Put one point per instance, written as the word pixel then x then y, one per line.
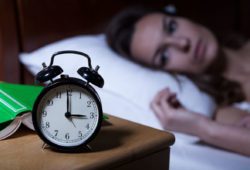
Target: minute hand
pixel 68 103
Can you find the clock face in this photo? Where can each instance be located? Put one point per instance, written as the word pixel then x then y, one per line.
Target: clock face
pixel 67 115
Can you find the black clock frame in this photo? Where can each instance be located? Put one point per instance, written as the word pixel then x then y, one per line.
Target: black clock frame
pixel 51 86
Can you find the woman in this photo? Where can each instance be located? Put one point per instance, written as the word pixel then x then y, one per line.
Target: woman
pixel 178 45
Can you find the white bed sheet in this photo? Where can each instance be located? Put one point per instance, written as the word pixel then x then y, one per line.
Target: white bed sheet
pixel 118 101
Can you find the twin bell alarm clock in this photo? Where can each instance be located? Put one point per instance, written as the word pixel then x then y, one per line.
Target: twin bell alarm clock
pixel 67 114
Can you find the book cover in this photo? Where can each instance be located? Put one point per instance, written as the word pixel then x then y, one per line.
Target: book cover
pixel 16 102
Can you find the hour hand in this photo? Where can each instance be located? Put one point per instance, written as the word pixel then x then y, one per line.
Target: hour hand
pixel 79 116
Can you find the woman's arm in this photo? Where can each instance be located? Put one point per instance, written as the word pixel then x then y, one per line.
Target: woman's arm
pixel 230 115
pixel 231 137
pixel 174 117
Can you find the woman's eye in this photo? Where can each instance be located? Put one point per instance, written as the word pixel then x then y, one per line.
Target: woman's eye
pixel 171 26
pixel 163 58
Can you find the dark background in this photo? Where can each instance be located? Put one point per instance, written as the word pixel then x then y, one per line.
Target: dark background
pixel 26 25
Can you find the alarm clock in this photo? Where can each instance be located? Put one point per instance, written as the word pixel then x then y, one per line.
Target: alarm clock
pixel 67 114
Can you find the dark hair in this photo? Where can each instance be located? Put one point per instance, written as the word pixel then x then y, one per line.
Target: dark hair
pixel 120 31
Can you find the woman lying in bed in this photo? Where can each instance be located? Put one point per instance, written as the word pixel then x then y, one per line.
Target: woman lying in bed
pixel 178 45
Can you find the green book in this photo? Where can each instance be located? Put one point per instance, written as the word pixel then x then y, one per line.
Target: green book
pixel 16 102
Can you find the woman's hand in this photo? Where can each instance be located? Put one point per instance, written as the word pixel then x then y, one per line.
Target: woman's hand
pixel 172 115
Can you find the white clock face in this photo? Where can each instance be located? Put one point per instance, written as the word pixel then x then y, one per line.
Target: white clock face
pixel 67 115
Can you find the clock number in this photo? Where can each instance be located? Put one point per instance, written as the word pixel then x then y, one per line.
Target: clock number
pixel 49 102
pixel 58 95
pixel 80 95
pixel 92 115
pixel 67 136
pixel 88 103
pixel 47 125
pixel 79 134
pixel 44 113
pixel 87 126
pixel 56 132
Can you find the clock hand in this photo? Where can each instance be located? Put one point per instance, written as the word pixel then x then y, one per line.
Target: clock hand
pixel 79 116
pixel 68 107
pixel 68 114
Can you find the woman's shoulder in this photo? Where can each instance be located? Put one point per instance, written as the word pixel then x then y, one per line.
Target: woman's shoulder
pixel 246 46
pixel 244 51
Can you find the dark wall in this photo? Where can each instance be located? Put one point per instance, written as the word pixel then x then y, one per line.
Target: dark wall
pixel 44 21
pixel 26 25
pixel 244 17
pixel 9 64
pixel 219 15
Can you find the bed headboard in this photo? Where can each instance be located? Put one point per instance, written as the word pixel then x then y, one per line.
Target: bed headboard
pixel 26 25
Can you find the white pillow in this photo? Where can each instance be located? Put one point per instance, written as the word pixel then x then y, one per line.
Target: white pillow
pixel 131 81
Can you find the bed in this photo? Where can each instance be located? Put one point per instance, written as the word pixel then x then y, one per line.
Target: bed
pixel 30 31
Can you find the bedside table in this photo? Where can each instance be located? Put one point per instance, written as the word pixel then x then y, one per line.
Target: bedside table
pixel 120 145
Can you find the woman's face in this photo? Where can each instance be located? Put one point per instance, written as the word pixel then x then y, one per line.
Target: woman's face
pixel 173 43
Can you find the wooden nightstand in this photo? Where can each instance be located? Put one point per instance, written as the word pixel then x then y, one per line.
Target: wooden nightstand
pixel 120 145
